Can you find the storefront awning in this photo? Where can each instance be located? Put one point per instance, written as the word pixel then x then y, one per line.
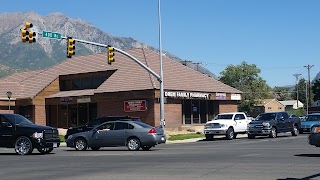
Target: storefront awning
pixel 86 92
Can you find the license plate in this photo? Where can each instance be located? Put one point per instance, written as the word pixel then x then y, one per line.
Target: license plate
pixel 55 145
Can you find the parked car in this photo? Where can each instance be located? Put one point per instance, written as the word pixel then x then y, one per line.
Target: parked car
pixel 228 124
pixel 310 120
pixel 270 124
pixel 133 134
pixel 94 122
pixel 314 137
pixel 21 134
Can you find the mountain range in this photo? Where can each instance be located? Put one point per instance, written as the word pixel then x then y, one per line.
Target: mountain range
pixel 16 56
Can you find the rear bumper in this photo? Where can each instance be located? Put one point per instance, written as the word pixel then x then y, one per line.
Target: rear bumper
pixel 314 139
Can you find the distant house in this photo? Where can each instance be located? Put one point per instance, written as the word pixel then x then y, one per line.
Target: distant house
pixel 268 105
pixel 291 104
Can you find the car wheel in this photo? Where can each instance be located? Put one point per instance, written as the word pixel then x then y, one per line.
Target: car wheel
pixel 146 148
pixel 45 150
pixel 230 134
pixel 95 148
pixel 295 131
pixel 80 144
pixel 209 137
pixel 133 144
pixel 273 133
pixel 23 146
pixel 250 136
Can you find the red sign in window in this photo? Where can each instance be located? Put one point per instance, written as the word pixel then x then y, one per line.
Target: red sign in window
pixel 135 105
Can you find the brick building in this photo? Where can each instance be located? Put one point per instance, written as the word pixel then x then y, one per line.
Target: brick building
pixel 84 87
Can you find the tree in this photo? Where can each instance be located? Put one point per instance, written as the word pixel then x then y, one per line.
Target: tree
pixel 245 77
pixel 302 91
pixel 316 90
pixel 282 93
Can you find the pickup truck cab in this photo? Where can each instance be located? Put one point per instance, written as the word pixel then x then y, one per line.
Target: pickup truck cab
pixel 21 134
pixel 228 124
pixel 272 123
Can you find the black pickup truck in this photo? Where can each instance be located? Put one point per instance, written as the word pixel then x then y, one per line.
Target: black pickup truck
pixel 272 123
pixel 21 134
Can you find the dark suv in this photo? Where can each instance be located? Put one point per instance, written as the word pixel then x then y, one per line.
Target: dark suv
pixel 23 135
pixel 94 122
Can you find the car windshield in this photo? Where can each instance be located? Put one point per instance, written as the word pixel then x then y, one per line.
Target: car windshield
pixel 224 116
pixel 17 119
pixel 313 118
pixel 267 116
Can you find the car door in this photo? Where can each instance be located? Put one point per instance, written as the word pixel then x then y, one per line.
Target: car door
pixel 280 122
pixel 121 133
pixel 288 123
pixel 102 135
pixel 6 131
pixel 241 123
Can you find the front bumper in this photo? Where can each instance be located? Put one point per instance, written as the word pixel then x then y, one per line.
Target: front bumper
pixel 314 139
pixel 40 143
pixel 259 131
pixel 215 131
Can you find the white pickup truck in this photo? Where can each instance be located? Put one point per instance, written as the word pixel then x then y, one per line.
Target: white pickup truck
pixel 228 124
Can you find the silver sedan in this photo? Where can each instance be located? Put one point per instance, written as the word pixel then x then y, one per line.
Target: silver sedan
pixel 133 134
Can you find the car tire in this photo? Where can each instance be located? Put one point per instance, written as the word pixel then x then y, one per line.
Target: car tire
pixel 273 133
pixel 230 134
pixel 209 137
pixel 295 131
pixel 23 146
pixel 80 144
pixel 133 144
pixel 95 148
pixel 250 136
pixel 146 148
pixel 45 150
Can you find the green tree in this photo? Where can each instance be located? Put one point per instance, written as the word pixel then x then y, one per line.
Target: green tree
pixel 302 91
pixel 316 90
pixel 282 93
pixel 245 77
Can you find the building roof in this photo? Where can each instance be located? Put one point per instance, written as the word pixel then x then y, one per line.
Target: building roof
pixel 128 75
pixel 289 102
pixel 265 102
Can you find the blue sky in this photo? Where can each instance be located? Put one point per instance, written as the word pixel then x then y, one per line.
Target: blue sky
pixel 279 36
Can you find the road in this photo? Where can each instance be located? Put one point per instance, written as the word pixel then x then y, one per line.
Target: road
pixel 283 158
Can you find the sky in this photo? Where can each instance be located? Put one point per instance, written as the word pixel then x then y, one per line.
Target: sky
pixel 279 36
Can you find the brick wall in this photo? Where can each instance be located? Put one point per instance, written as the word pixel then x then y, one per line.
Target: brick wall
pixel 227 106
pixel 40 114
pixel 172 115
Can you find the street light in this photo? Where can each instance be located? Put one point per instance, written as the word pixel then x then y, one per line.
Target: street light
pixel 9 94
pixel 297 87
pixel 161 72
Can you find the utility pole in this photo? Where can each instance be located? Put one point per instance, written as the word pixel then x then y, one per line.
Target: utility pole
pixel 307 96
pixel 309 91
pixel 297 87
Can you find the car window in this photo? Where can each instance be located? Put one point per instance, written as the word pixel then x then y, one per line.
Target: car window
pixel 131 126
pixel 3 120
pixel 239 117
pixel 106 126
pixel 94 122
pixel 142 124
pixel 121 125
pixel 284 115
pixel 313 118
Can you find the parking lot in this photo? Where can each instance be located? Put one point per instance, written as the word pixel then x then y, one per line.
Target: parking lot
pixel 282 158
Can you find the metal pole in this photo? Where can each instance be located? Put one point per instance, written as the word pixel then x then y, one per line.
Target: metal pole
pixel 161 72
pixel 9 106
pixel 307 96
pixel 297 87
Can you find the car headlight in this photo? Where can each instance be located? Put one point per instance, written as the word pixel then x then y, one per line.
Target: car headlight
pixel 266 124
pixel 315 130
pixel 37 135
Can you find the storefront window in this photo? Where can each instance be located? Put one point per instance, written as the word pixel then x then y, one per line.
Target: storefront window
pixel 197 111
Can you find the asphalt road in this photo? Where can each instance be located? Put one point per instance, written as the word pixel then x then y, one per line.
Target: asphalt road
pixel 283 158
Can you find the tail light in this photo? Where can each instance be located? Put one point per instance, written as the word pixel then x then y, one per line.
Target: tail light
pixel 152 131
pixel 315 130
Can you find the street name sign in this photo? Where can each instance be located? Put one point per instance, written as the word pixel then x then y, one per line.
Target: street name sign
pixel 51 35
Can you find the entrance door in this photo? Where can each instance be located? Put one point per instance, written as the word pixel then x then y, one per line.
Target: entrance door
pixel 195 111
pixel 82 114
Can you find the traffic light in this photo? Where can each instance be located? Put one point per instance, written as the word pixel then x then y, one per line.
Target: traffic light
pixel 71 47
pixel 110 55
pixel 26 34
